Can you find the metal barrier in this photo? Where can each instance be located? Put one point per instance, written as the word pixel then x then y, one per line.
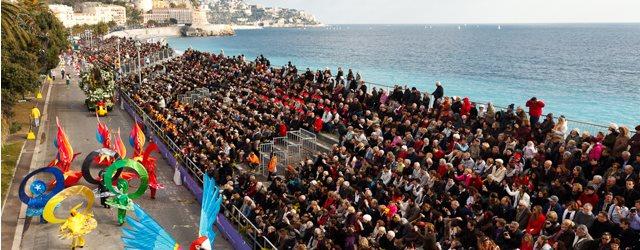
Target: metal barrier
pixel 583 126
pixel 248 229
pixel 289 149
pixel 130 65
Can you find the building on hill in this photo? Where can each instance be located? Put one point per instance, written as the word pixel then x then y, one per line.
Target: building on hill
pixel 181 15
pixel 92 13
pixel 64 13
pixel 118 13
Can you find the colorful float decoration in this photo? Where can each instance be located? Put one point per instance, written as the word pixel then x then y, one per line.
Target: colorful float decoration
pixel 38 189
pixel 80 222
pixel 137 140
pixel 99 87
pixel 104 156
pixel 64 158
pixel 145 233
pixel 123 200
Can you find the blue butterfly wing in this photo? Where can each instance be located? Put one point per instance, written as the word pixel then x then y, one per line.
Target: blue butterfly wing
pixel 146 233
pixel 211 202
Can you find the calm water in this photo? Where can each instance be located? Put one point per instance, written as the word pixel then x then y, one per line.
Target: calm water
pixel 588 72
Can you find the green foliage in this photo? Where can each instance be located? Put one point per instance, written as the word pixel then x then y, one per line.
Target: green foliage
pixel 15 127
pixel 32 39
pixel 134 16
pixel 98 29
pixel 112 24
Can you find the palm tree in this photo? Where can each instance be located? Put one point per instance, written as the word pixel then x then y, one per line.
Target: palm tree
pixel 15 23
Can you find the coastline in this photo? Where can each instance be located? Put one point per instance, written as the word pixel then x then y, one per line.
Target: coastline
pixel 173 31
pixel 211 29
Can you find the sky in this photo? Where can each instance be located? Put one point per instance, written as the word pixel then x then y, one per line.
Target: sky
pixel 464 11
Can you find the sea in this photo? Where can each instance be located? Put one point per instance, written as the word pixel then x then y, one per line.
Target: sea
pixel 587 72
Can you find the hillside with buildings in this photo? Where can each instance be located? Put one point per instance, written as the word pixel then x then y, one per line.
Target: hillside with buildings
pixel 194 13
pixel 238 12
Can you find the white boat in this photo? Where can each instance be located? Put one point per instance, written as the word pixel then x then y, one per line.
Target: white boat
pixel 458 26
pixel 499 27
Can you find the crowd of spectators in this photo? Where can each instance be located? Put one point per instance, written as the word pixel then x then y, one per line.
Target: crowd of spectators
pixel 104 52
pixel 411 170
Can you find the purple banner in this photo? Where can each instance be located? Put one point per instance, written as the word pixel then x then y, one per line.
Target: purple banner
pixel 226 229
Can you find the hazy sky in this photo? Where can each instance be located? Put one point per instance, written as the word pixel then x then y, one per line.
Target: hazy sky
pixel 465 11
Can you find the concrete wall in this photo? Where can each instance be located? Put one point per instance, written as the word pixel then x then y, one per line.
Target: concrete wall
pixel 213 30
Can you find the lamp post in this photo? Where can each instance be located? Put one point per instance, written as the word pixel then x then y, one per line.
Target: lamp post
pixel 138 45
pixel 119 59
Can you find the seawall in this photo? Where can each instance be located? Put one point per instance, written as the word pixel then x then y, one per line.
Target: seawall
pixel 212 30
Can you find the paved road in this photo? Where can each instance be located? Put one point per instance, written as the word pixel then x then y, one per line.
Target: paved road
pixel 175 208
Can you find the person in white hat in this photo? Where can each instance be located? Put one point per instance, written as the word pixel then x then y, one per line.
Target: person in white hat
pixel 498 172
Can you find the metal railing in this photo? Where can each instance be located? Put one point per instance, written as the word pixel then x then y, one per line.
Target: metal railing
pixel 130 65
pixel 582 125
pixel 148 122
pixel 248 229
pixel 240 221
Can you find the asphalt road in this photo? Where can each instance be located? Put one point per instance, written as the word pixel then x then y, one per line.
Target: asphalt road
pixel 175 208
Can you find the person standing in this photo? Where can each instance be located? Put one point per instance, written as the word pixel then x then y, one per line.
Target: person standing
pixel 439 92
pixel 273 162
pixel 35 114
pixel 535 110
pixel 67 79
pixel 104 192
pixel 634 142
pixel 62 73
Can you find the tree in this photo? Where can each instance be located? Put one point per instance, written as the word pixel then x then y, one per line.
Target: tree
pixel 112 24
pixel 134 16
pixel 100 29
pixel 13 23
pixel 152 23
pixel 32 39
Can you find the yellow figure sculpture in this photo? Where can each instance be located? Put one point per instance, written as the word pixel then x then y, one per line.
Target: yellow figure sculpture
pixel 79 223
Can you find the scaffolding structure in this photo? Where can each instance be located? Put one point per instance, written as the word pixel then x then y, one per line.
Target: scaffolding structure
pixel 290 149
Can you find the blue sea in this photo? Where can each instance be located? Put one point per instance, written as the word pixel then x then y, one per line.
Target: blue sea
pixel 588 72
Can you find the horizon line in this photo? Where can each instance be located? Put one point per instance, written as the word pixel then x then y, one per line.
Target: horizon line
pixel 483 23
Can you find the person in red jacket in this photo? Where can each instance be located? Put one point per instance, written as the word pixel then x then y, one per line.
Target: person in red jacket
pixel 535 110
pixel 317 124
pixel 536 221
pixel 282 129
pixel 588 196
pixel 466 107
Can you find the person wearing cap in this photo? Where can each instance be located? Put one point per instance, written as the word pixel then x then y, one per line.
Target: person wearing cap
pixel 610 138
pixel 546 125
pixel 553 205
pixel 588 196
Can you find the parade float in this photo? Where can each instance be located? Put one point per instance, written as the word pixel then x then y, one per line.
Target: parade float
pixel 99 86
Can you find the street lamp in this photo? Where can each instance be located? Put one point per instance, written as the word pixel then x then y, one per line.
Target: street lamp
pixel 138 45
pixel 119 59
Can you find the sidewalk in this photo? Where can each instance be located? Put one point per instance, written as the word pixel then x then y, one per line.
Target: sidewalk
pixel 11 209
